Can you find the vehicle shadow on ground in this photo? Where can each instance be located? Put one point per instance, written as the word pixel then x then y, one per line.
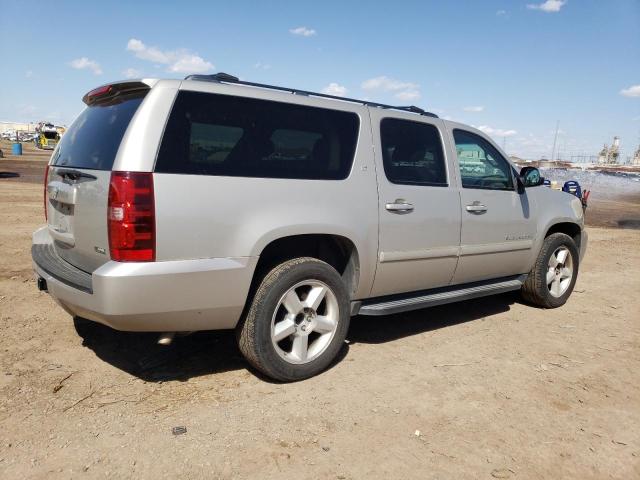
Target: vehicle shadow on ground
pixel 201 353
pixel 206 353
pixel 393 327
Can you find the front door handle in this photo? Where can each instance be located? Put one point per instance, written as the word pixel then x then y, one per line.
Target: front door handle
pixel 476 208
pixel 399 206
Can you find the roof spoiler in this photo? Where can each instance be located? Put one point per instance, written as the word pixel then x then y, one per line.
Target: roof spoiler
pixel 113 92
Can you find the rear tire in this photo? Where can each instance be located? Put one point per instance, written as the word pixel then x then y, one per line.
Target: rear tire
pixel 297 321
pixel 554 274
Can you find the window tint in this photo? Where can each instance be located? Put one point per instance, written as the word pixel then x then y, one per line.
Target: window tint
pixel 481 166
pixel 93 139
pixel 412 153
pixel 211 134
pixel 211 143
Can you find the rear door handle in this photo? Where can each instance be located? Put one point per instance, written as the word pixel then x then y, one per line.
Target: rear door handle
pixel 399 206
pixel 476 208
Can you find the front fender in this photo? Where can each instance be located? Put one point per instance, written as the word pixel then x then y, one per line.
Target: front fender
pixel 553 207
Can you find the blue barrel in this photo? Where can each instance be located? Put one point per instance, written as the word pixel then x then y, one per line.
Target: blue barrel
pixel 16 149
pixel 573 188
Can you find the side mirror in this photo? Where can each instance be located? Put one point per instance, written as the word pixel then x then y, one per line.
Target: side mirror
pixel 531 177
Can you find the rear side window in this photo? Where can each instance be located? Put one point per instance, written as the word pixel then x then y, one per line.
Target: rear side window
pixel 412 153
pixel 210 134
pixel 93 139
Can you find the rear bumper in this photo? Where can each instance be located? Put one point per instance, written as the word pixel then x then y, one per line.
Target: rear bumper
pixel 182 295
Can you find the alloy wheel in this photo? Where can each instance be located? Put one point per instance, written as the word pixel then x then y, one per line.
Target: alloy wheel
pixel 305 321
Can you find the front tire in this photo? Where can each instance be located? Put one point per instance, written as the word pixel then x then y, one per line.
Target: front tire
pixel 297 321
pixel 554 274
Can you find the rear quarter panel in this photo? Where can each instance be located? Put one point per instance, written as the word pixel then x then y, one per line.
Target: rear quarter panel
pixel 199 216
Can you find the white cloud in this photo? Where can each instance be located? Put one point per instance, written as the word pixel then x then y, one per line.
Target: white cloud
pixel 190 64
pixel 131 73
pixel 262 66
pixel 496 132
pixel 474 108
pixel 408 95
pixel 24 109
pixel 153 54
pixel 386 84
pixel 632 91
pixel 303 31
pixel 550 6
pixel 335 89
pixel 401 90
pixel 84 63
pixel 28 73
pixel 501 12
pixel 177 61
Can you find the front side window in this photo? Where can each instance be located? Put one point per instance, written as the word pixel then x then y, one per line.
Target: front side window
pixel 412 153
pixel 210 134
pixel 481 165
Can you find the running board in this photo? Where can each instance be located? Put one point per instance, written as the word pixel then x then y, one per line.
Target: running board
pixel 439 296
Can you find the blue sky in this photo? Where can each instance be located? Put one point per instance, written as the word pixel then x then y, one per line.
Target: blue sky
pixel 512 67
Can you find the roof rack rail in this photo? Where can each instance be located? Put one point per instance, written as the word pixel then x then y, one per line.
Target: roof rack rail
pixel 222 77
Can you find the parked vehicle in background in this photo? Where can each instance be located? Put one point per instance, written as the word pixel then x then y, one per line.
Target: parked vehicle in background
pixel 212 203
pixel 47 136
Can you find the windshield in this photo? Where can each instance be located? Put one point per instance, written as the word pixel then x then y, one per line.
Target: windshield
pixel 93 139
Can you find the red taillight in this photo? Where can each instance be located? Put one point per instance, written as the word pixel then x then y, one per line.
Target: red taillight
pixel 131 217
pixel 45 195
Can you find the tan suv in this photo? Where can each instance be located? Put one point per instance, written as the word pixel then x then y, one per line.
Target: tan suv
pixel 214 203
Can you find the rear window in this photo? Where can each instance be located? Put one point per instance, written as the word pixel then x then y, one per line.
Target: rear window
pixel 210 134
pixel 93 139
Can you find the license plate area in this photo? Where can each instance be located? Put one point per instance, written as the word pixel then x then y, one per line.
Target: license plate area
pixel 62 198
pixel 62 217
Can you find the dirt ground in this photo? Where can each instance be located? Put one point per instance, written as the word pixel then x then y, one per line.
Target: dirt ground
pixel 489 388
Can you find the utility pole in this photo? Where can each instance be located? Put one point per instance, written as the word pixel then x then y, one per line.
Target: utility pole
pixel 555 140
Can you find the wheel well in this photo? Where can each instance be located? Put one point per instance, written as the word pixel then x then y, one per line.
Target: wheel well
pixel 568 228
pixel 337 251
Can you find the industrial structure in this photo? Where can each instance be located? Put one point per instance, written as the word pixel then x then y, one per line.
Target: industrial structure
pixel 609 155
pixel 635 161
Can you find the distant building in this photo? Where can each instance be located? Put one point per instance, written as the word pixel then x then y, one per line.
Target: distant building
pixel 17 127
